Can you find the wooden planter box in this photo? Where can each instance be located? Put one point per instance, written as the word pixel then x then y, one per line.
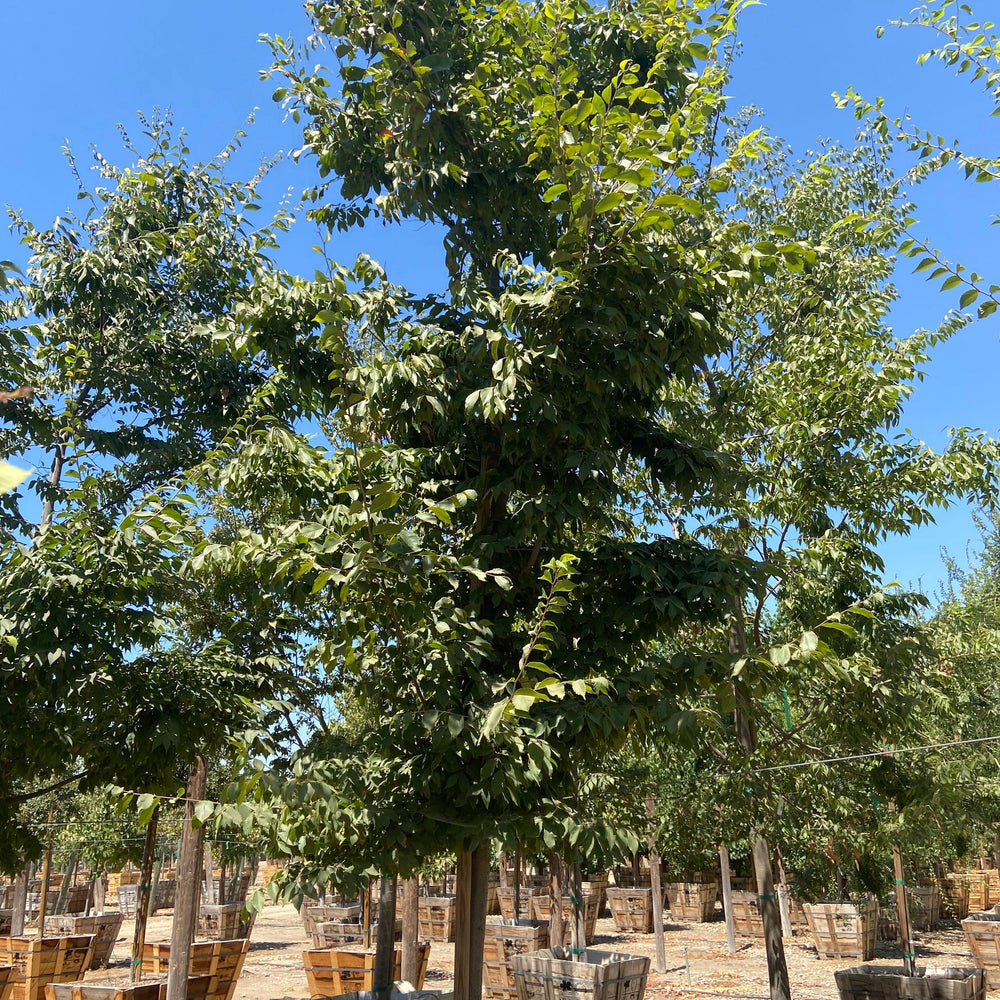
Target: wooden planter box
pixel 38 961
pixel 982 892
pixel 924 906
pixel 632 910
pixel 103 926
pixel 6 922
pixel 884 982
pixel 224 922
pixel 558 974
pixel 7 976
pixel 982 935
pixel 505 900
pixel 437 918
pixel 166 894
pixel 501 943
pixel 746 913
pixel 596 884
pixel 955 896
pixel 843 930
pixel 92 991
pixel 336 934
pixel 693 901
pixel 315 913
pixel 128 899
pixel 541 910
pixel 331 972
pixel 218 963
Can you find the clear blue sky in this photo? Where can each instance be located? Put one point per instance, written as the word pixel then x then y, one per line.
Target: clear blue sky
pixel 70 71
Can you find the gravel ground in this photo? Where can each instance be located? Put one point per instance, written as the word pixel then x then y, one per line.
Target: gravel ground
pixel 698 961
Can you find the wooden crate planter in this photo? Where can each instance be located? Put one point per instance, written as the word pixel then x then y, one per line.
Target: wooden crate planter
pixel 505 900
pixel 632 910
pixel 103 926
pixel 6 922
pixel 924 906
pixel 693 901
pixel 336 934
pixel 558 974
pixel 982 935
pixel 93 991
pixel 980 897
pixel 166 894
pixel 501 943
pixel 218 963
pixel 224 922
pixel 596 884
pixel 746 913
pixel 437 918
pixel 541 910
pixel 955 896
pixel 38 961
pixel 7 976
pixel 128 899
pixel 884 982
pixel 331 972
pixel 844 930
pixel 314 914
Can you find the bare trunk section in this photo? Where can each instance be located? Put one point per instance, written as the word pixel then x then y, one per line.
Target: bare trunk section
pixel 144 897
pixel 905 934
pixel 385 942
pixel 411 931
pixel 654 881
pixel 727 897
pixel 188 885
pixel 556 932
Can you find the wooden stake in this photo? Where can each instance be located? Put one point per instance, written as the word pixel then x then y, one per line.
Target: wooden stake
pixel 654 881
pixel 777 968
pixel 188 885
pixel 727 897
pixel 46 871
pixel 411 931
pixel 366 915
pixel 786 916
pixel 905 934
pixel 210 896
pixel 556 932
pixel 463 906
pixel 385 942
pixel 143 897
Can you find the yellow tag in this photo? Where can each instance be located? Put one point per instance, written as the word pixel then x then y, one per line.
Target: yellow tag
pixel 11 477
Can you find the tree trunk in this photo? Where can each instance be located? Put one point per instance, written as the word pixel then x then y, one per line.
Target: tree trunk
pixel 411 931
pixel 46 873
pixel 463 925
pixel 67 881
pixel 144 896
pixel 385 945
pixel 503 870
pixel 903 911
pixel 579 928
pixel 777 970
pixel 20 901
pixel 154 885
pixel 480 885
pixel 188 885
pixel 783 905
pixel 654 881
pixel 556 932
pixel 366 915
pixel 517 884
pixel 727 897
pixel 210 896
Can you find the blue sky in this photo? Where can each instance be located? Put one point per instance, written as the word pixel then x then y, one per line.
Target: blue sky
pixel 71 71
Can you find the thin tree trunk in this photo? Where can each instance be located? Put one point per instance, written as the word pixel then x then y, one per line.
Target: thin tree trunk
pixel 366 915
pixel 151 907
pixel 46 872
pixel 654 881
pixel 143 896
pixel 777 969
pixel 63 898
pixel 556 930
pixel 503 870
pixel 727 897
pixel 463 925
pixel 783 904
pixel 20 901
pixel 385 950
pixel 579 928
pixel 903 911
pixel 210 896
pixel 517 884
pixel 188 884
pixel 411 931
pixel 479 892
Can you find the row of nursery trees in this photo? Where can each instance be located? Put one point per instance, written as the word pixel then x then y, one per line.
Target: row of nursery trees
pixel 433 572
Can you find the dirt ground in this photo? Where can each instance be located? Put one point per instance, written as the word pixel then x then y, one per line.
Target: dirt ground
pixel 698 962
